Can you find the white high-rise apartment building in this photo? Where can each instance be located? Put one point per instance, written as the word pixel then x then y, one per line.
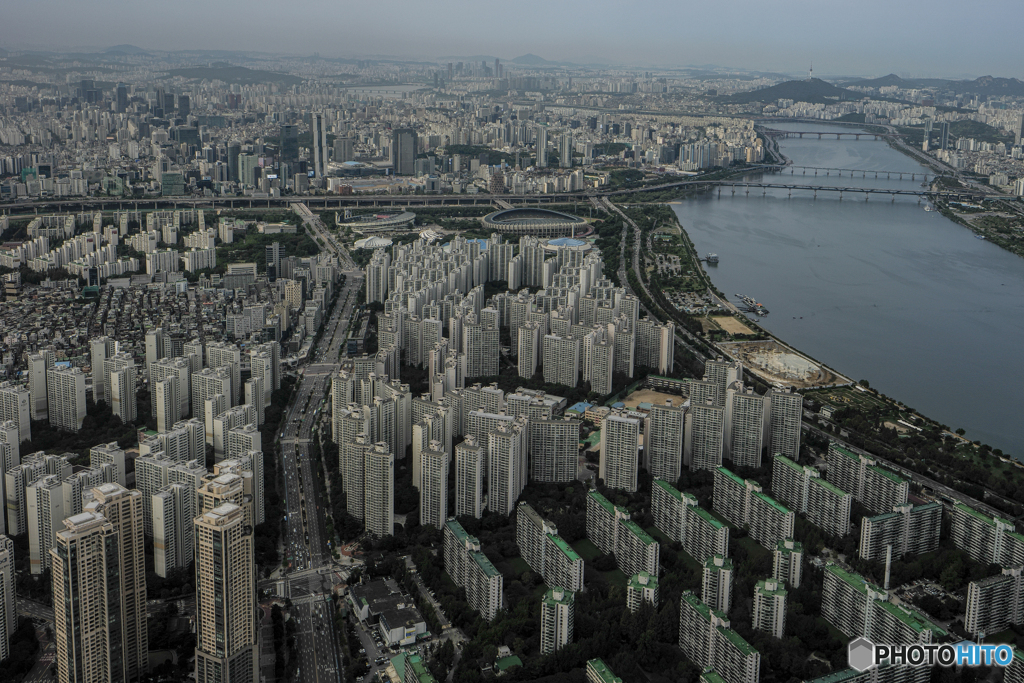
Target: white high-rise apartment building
pixel 663 442
pixel 786 411
pixel 528 356
pixel 225 355
pixel 620 444
pixel 554 449
pixel 541 147
pixel 469 479
pixel 39 365
pixel 100 349
pixel 45 502
pixel 122 383
pixel 433 486
pixel 172 528
pixel 744 426
pixel 226 632
pixel 8 598
pixel 109 454
pixel 165 403
pixel 506 465
pixel 557 613
pixel 179 369
pixel 561 360
pixel 15 405
pixel 770 607
pixel 379 496
pixel 702 446
pixel 601 365
pixel 65 398
pixel 206 384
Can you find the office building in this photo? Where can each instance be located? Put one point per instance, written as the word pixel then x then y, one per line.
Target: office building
pixel 716 583
pixel 787 561
pixel 770 607
pixel 642 587
pixel 546 552
pixel 344 150
pixel 708 641
pixel 319 132
pixel 557 613
pixel 705 435
pixel 379 496
pixel 469 568
pixel 678 516
pixel 289 143
pixel 612 531
pixel 994 603
pixel 433 486
pixel 227 646
pixel 663 441
pixel 65 398
pixel 858 608
pixel 908 529
pixel 403 151
pixel 743 436
pixel 785 413
pixel 989 540
pixel 620 443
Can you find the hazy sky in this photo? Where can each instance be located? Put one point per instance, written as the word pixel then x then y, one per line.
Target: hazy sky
pixel 867 37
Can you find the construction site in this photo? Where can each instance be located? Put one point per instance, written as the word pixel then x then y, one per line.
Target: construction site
pixel 781 365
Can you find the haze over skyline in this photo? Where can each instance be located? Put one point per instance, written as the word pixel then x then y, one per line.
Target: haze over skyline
pixel 869 38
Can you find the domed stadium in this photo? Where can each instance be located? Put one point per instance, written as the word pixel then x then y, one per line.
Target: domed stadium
pixel 555 244
pixel 533 222
pixel 374 242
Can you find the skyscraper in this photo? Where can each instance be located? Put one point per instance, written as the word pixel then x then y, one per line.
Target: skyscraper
pixel 289 143
pixel 226 636
pixel 403 151
pixel 123 511
pixel 541 147
pixel 319 132
pixel 565 150
pixel 620 442
pixel 344 150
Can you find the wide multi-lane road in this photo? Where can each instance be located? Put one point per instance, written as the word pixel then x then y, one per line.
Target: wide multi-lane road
pixel 306 544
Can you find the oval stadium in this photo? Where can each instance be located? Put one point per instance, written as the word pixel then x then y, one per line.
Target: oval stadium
pixel 533 222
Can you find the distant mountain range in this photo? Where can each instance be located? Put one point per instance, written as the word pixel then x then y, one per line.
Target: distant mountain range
pixel 815 90
pixel 986 86
pixel 125 50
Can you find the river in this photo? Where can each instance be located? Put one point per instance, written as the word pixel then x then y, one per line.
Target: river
pixel 879 290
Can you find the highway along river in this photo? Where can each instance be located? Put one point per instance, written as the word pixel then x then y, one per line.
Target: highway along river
pixel 879 290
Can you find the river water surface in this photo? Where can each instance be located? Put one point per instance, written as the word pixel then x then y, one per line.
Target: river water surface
pixel 878 290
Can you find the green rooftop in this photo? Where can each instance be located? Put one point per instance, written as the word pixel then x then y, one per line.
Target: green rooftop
pixel 636 582
pixel 831 488
pixel 484 563
pixel 669 489
pixel 913 619
pixel 798 547
pixel 698 605
pixel 737 641
pixel 568 596
pixel 763 589
pixel 566 549
pixel 602 671
pixel 783 460
pixel 833 447
pixel 711 676
pixel 774 503
pixel 736 478
pixel 419 669
pixel 460 534
pixel 708 517
pixel 644 537
pixel 891 476
pixel 602 501
pixel 856 581
pixel 837 677
pixel 506 663
pixel 977 514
